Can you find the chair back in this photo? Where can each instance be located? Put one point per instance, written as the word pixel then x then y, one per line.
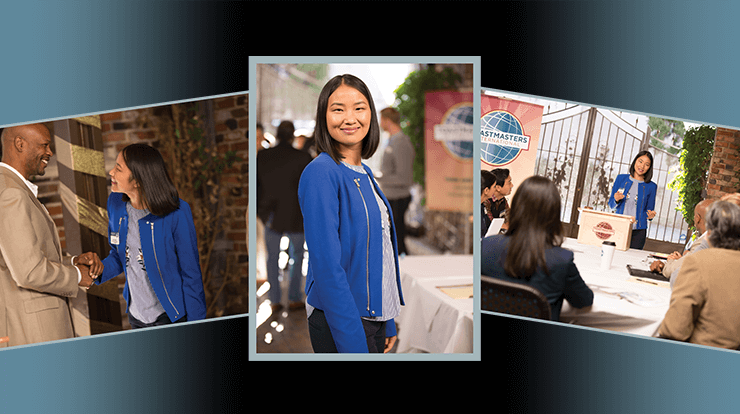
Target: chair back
pixel 513 298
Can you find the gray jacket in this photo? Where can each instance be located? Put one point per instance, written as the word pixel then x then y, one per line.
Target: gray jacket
pixel 397 167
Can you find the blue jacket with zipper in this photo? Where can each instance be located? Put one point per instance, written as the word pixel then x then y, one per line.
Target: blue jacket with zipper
pixel 343 232
pixel 170 250
pixel 645 198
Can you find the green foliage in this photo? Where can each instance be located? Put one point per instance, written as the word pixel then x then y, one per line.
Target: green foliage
pixel 694 159
pixel 410 97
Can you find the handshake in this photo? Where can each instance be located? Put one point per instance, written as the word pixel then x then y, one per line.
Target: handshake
pixel 91 267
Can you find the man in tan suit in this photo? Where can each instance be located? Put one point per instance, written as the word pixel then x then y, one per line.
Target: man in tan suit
pixel 673 265
pixel 35 279
pixel 703 308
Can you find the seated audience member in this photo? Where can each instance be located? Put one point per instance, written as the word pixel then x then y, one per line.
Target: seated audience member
pixel 704 301
pixel 495 204
pixel 487 180
pixel 671 267
pixel 530 252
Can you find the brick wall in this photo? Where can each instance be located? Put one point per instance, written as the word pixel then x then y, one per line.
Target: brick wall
pixel 725 166
pixel 231 116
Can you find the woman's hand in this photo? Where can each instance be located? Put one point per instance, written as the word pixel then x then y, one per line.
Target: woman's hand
pixel 618 196
pixel 651 214
pixel 389 342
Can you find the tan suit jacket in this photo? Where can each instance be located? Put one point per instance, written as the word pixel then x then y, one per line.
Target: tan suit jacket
pixel 672 265
pixel 703 308
pixel 35 279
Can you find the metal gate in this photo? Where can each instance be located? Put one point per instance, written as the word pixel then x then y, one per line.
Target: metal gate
pixel 582 149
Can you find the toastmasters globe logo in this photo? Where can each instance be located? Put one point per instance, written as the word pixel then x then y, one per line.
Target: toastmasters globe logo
pixel 502 138
pixel 456 131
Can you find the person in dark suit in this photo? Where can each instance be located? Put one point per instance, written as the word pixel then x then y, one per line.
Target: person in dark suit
pixel 279 170
pixel 530 252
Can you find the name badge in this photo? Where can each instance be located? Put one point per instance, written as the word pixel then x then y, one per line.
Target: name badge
pixel 114 239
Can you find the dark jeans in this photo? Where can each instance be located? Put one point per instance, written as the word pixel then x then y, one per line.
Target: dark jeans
pixel 162 319
pixel 323 342
pixel 638 239
pixel 398 208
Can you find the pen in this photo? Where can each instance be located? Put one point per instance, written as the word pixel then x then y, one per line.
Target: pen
pixel 646 281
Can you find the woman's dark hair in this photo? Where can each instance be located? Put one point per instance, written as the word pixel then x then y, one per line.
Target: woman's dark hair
pixel 501 174
pixel 649 173
pixel 156 189
pixel 534 226
pixel 723 222
pixel 324 141
pixel 487 179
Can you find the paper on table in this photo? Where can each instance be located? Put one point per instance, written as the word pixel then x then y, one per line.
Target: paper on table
pixel 495 227
pixel 457 291
pixel 641 299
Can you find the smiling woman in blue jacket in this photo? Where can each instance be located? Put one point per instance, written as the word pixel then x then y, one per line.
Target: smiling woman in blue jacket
pixel 153 241
pixel 633 194
pixel 353 285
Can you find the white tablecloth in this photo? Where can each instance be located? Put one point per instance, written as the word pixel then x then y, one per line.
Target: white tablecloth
pixel 621 302
pixel 433 321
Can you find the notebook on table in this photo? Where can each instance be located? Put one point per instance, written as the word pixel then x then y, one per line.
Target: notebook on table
pixel 646 274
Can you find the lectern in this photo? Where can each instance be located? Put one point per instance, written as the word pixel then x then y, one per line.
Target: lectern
pixel 596 227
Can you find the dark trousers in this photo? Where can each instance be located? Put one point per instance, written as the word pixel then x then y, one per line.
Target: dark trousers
pixel 162 319
pixel 323 342
pixel 638 239
pixel 398 208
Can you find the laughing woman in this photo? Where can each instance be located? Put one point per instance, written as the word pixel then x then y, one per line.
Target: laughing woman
pixel 353 287
pixel 152 238
pixel 633 194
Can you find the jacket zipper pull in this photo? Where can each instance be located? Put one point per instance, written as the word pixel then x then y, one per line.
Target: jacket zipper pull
pixel 357 181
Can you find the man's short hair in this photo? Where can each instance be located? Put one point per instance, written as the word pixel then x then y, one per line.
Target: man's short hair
pixel 392 115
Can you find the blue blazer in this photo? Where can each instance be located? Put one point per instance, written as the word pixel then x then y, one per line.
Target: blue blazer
pixel 343 233
pixel 170 251
pixel 563 281
pixel 645 198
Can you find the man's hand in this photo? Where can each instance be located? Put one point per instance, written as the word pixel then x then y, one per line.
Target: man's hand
pixel 656 266
pixel 86 281
pixel 91 260
pixel 674 256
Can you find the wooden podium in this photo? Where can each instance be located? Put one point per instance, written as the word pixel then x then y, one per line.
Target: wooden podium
pixel 596 227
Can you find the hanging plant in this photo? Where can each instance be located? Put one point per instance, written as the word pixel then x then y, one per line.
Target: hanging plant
pixel 694 160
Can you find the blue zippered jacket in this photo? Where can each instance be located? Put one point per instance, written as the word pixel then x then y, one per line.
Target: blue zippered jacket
pixel 645 198
pixel 345 245
pixel 172 260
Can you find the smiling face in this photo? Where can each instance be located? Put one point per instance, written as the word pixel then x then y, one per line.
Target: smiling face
pixel 38 153
pixel 642 166
pixel 348 118
pixel 121 181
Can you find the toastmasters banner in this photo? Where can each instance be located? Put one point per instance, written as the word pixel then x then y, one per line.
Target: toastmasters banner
pixel 509 134
pixel 448 136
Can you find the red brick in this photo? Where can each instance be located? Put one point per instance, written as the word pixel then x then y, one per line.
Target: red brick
pixel 225 103
pixel 110 116
pixel 114 136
